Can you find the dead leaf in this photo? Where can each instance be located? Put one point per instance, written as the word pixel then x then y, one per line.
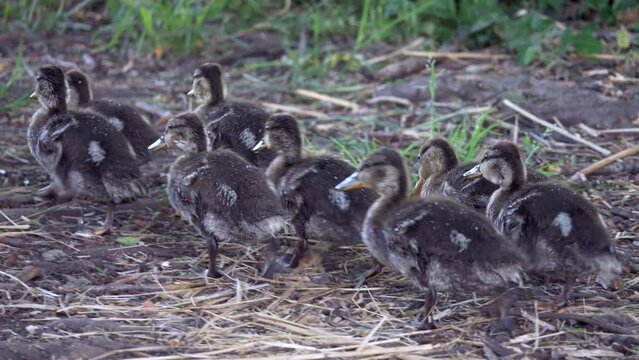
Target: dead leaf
pixel 29 272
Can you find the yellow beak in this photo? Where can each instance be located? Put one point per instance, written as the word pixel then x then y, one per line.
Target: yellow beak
pixel 261 146
pixel 417 191
pixel 473 173
pixel 350 183
pixel 158 145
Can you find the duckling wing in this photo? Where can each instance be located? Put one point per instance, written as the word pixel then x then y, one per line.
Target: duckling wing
pixel 94 158
pixel 224 184
pixel 130 122
pixel 554 214
pixel 474 192
pixel 451 245
pixel 238 127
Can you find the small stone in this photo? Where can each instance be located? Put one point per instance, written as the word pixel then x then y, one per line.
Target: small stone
pixel 54 255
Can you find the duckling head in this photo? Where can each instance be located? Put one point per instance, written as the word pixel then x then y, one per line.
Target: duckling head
pixel 435 158
pixel 208 84
pixel 383 171
pixel 51 88
pixel 502 165
pixel 79 88
pixel 183 133
pixel 282 135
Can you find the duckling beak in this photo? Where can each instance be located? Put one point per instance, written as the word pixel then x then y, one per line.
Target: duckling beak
pixel 261 146
pixel 158 145
pixel 33 96
pixel 350 183
pixel 191 93
pixel 473 173
pixel 417 191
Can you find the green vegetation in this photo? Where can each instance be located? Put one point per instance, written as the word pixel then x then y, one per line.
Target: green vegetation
pixel 16 72
pixel 528 28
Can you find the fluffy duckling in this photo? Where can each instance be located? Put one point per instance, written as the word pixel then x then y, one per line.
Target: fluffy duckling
pixel 83 153
pixel 437 243
pixel 222 195
pixel 561 232
pixel 441 173
pixel 306 188
pixel 234 126
pixel 123 117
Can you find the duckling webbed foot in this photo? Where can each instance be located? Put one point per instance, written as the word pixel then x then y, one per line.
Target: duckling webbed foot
pixel 564 298
pixel 375 270
pixel 503 325
pixel 47 192
pixel 213 271
pixel 271 265
pixel 293 260
pixel 108 223
pixel 429 304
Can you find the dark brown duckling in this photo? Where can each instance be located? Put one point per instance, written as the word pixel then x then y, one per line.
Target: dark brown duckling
pixel 123 117
pixel 222 195
pixel 306 186
pixel 441 173
pixel 228 125
pixel 437 243
pixel 83 153
pixel 561 232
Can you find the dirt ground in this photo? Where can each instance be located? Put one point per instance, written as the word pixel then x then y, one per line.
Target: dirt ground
pixel 138 292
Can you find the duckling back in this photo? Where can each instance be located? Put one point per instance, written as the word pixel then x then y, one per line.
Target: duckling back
pixel 128 120
pixel 89 158
pixel 308 190
pixel 439 242
pixel 559 230
pixel 225 196
pixel 236 127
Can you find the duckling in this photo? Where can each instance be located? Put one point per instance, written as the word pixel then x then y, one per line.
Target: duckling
pixel 234 126
pixel 306 188
pixel 222 195
pixel 123 117
pixel 83 153
pixel 561 232
pixel 440 173
pixel 436 242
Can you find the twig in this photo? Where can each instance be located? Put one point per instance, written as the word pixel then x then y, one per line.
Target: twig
pixel 413 44
pixel 588 320
pixel 370 335
pixel 556 128
pixel 606 161
pixel 294 110
pixel 457 55
pixel 330 99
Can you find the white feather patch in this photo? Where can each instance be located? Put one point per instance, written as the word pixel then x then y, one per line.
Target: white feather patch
pixel 564 222
pixel 96 152
pixel 248 138
pixel 339 199
pixel 460 240
pixel 226 194
pixel 117 123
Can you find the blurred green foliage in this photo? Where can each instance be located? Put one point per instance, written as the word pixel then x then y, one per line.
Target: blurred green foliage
pixel 528 28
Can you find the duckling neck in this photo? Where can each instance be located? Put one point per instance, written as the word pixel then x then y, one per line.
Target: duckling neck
pixel 217 93
pixel 59 108
pixel 372 228
pixel 498 200
pixel 84 94
pixel 282 162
